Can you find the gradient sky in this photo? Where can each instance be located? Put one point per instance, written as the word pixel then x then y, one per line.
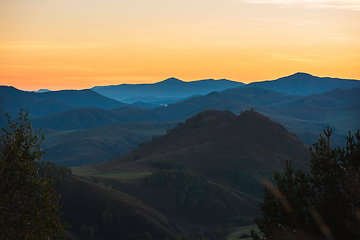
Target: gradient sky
pixel 77 44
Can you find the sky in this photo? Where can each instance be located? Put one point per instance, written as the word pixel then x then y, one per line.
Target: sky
pixel 78 44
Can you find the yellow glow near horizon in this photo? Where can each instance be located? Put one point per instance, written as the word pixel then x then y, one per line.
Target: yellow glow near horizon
pixel 79 44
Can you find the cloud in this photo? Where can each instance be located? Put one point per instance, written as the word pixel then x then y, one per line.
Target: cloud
pixel 353 5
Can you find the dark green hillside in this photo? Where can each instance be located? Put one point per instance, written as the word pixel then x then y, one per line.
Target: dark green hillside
pixel 255 96
pixel 218 203
pixel 49 106
pixel 252 96
pixel 84 203
pixel 220 140
pixel 349 97
pixel 305 84
pixel 304 121
pixel 86 146
pixel 83 98
pixel 94 117
pixel 333 98
pixel 41 104
pixel 145 105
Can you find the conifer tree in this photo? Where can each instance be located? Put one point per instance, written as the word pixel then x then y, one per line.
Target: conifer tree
pixel 29 205
pixel 322 204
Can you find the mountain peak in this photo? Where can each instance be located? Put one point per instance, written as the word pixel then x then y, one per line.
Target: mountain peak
pixel 301 74
pixel 170 81
pixel 42 90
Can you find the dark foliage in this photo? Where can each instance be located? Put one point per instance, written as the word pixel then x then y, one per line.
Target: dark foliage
pixel 188 188
pixel 246 180
pixel 205 117
pixel 167 165
pixel 238 221
pixel 29 203
pixel 249 180
pixel 321 204
pixel 50 168
pixel 244 235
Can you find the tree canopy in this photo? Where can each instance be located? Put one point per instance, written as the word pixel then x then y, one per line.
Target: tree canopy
pixel 321 204
pixel 29 204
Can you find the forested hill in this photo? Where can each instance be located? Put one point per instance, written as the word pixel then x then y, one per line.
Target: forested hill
pixel 218 139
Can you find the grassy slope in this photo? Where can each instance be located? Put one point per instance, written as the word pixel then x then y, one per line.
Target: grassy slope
pixel 219 203
pixel 84 202
pixel 78 147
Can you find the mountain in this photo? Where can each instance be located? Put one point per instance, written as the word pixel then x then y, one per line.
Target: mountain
pixel 304 121
pixel 86 146
pixel 89 117
pixel 145 105
pixel 41 104
pixel 305 84
pixel 333 98
pixel 218 139
pixel 42 90
pixel 255 96
pixel 169 88
pixel 304 116
pixel 231 151
pixel 92 117
pixel 84 98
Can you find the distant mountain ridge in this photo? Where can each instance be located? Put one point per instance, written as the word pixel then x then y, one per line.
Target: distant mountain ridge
pixel 304 116
pixel 169 88
pixel 41 104
pixel 305 84
pixel 174 90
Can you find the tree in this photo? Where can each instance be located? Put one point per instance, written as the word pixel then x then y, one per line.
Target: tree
pixel 146 236
pixel 104 218
pixel 90 232
pixel 321 204
pixel 29 204
pixel 82 231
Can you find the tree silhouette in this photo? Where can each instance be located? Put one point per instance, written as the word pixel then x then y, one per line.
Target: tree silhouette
pixel 321 204
pixel 29 204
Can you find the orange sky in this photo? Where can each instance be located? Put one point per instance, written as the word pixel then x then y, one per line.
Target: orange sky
pixel 77 44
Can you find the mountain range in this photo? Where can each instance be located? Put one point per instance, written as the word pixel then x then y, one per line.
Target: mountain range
pixel 69 110
pixel 304 116
pixel 194 167
pixel 169 89
pixel 174 90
